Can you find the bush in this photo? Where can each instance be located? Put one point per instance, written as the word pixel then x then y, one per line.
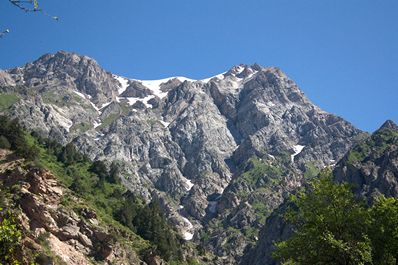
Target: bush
pixel 4 143
pixel 10 239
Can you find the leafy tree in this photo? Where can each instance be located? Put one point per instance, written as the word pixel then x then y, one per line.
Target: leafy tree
pixel 11 130
pixel 330 227
pixel 15 135
pixel 384 231
pixel 128 211
pixel 98 167
pixel 10 239
pixel 69 155
pixel 28 152
pixel 114 172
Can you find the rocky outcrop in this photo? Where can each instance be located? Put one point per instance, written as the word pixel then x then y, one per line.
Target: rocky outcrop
pixel 52 224
pixel 372 166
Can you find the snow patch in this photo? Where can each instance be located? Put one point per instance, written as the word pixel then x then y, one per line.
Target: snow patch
pixel 188 183
pixel 154 85
pixel 96 124
pixel 297 150
pixel 131 100
pixel 146 99
pixel 95 107
pixel 165 123
pixel 124 83
pixel 239 70
pixel 187 235
pixel 79 94
pixel 218 77
pixel 251 74
pixel 105 104
pixel 58 116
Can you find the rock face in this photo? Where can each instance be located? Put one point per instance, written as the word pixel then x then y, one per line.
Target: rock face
pixel 371 167
pixel 74 237
pixel 186 141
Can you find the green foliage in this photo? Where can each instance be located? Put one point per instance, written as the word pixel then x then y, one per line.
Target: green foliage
pixel 259 173
pixel 114 173
pixel 129 210
pixel 250 232
pixel 69 155
pixel 99 168
pixel 151 224
pixel 108 120
pixel 7 100
pixel 330 226
pixel 373 146
pixel 310 170
pixel 261 211
pixel 10 238
pixel 384 231
pixel 16 137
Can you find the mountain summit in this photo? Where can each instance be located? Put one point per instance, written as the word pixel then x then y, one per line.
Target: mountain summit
pixel 389 124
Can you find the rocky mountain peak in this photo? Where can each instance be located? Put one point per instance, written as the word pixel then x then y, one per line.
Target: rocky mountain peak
pixel 389 124
pixel 66 70
pixel 66 58
pixel 244 70
pixel 61 61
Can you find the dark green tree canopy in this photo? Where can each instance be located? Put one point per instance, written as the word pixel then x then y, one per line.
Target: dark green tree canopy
pixel 333 226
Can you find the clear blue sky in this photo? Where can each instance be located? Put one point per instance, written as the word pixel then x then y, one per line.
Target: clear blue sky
pixel 342 53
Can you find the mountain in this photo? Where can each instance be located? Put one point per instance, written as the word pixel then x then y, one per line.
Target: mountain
pixel 220 154
pixel 371 167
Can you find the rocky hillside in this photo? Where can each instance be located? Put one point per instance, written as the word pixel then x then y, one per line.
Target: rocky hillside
pixel 220 153
pixel 55 231
pixel 371 167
